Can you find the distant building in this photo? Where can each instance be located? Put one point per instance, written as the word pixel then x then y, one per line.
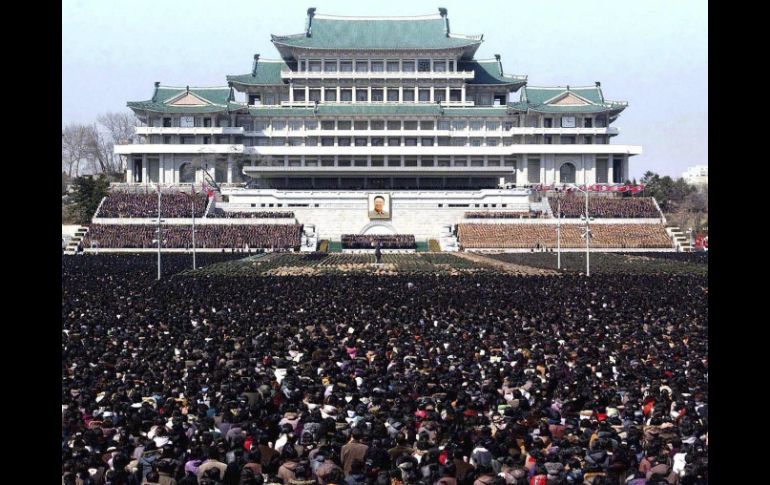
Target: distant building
pixel 697 175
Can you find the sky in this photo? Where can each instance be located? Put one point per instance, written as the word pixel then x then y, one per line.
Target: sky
pixel 651 53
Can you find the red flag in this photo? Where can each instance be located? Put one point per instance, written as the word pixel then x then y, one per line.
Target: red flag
pixel 622 188
pixel 636 189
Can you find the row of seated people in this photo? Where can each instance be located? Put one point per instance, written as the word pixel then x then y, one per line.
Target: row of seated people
pixel 394 241
pixel 273 236
pixel 573 205
pixel 503 214
pixel 172 204
pixel 223 214
pixel 524 236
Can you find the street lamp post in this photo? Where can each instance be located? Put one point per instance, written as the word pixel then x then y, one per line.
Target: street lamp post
pixel 586 230
pixel 159 234
pixel 558 235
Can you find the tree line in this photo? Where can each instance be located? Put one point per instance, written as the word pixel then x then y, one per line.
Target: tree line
pixel 89 148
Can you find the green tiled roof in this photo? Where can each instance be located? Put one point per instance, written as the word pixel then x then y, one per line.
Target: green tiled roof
pixel 332 32
pixel 217 99
pixel 488 72
pixel 267 72
pixel 477 111
pixel 535 98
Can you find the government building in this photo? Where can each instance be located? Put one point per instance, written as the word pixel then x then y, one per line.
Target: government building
pixel 377 125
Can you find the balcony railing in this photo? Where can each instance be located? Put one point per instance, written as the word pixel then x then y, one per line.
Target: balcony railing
pixel 198 130
pixel 289 74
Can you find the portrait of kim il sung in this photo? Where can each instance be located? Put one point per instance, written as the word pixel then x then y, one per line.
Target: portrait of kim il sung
pixel 379 206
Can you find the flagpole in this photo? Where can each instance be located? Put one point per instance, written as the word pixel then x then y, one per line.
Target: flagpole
pixel 558 236
pixel 159 235
pixel 192 204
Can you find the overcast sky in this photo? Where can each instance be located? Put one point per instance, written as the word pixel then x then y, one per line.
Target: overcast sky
pixel 651 53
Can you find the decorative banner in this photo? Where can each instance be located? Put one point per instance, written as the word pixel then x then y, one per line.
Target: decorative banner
pixel 634 189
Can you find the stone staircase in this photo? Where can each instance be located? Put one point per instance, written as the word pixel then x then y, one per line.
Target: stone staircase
pixel 681 241
pixel 72 244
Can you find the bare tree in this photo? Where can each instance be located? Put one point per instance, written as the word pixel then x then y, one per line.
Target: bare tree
pixel 119 129
pixel 74 147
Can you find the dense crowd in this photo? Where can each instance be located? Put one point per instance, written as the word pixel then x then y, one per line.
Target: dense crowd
pixel 521 236
pixel 410 379
pixel 573 205
pixel 221 213
pixel 370 241
pixel 503 214
pixel 172 205
pixel 275 236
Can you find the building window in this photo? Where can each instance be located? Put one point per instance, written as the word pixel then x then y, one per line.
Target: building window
pixel 427 142
pixel 362 66
pixel 458 125
pixel 327 161
pixel 455 95
pixel 500 100
pixel 299 95
pixel 311 125
pixel 567 173
pixel 360 162
pixel 439 66
pixel 330 65
pixel 394 142
pixel 279 125
pixel 601 171
pixel 346 95
pixel 459 142
pixel 477 162
pixel 360 142
pixel 343 142
pixel 295 125
pixel 311 141
pixel 378 142
pixel 444 141
pixel 461 162
pixel 439 95
pixel 475 142
pixel 343 124
pixel 424 95
pixel 547 122
pixel 568 140
pixel 476 125
pixel 443 162
pixel 407 65
pixel 443 125
pixel 410 142
pixel 269 99
pixel 493 162
pixel 361 125
pixel 493 125
pixel 262 141
pixel 394 161
pixel 346 66
pixel 485 99
pixel 427 125
pixel 588 123
pixel 394 125
pixel 408 95
pixel 206 140
pixel 343 162
pixel 377 124
pixel 377 95
pixel 588 140
pixel 166 122
pixel 410 125
pixel 393 95
pixel 330 95
pixel 327 125
pixel 314 66
pixel 423 65
pixel 378 161
pixel 547 140
pixel 533 170
pixel 393 66
pixel 362 95
pixel 377 66
pixel 492 142
pixel 187 122
pixel 279 142
pixel 167 140
pixel 327 141
pixel 410 162
pixel 315 95
pixel 427 162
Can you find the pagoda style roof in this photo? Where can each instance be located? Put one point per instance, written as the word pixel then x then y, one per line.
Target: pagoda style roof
pixel 566 99
pixel 169 99
pixel 263 72
pixel 426 32
pixel 490 72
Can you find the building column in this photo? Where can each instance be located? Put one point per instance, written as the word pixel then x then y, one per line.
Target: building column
pixel 521 176
pixel 338 94
pixel 229 169
pixel 625 168
pixel 462 93
pixel 307 95
pixel 446 97
pixel 432 99
pixel 369 92
pixel 610 169
pixel 353 96
pixel 323 94
pixel 144 168
pixel 291 91
pixel 385 93
pixel 400 95
pixel 130 170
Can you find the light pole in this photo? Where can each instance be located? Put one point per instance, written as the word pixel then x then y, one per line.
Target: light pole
pixel 586 231
pixel 558 235
pixel 159 234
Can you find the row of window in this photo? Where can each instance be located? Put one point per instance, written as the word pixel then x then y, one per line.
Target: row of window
pixel 252 124
pixel 377 65
pixel 378 95
pixel 382 141
pixel 390 161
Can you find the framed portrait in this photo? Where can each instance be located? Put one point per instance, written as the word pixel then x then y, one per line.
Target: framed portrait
pixel 379 206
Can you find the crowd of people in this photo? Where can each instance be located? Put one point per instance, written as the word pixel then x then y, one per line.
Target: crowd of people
pixel 385 241
pixel 525 236
pixel 172 205
pixel 223 214
pixel 503 214
pixel 476 379
pixel 274 236
pixel 574 205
